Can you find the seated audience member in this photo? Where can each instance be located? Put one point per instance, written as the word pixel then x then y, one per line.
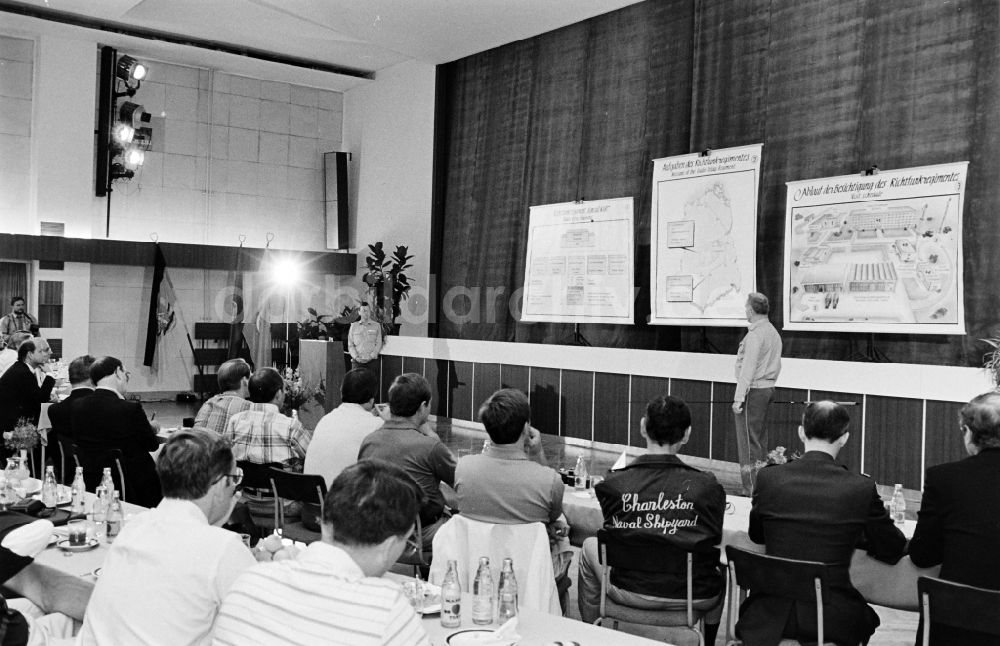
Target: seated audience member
pixel 339 434
pixel 8 356
pixel 105 421
pixel 49 601
pixel 332 592
pixel 814 509
pixel 19 320
pixel 627 495
pixel 955 528
pixel 262 434
pixel 214 414
pixel 20 393
pixel 510 482
pixel 166 574
pixel 405 440
pixel 60 413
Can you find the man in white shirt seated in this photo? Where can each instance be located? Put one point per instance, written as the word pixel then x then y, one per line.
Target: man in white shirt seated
pixel 339 434
pixel 332 592
pixel 169 569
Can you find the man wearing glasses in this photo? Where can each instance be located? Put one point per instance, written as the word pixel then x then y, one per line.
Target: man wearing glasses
pixel 105 421
pixel 167 572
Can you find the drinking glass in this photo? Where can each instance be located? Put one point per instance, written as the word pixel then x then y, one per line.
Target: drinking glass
pixel 414 591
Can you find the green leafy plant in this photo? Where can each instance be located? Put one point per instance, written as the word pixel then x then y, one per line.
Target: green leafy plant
pixel 991 360
pixel 380 269
pixel 24 437
pixel 316 326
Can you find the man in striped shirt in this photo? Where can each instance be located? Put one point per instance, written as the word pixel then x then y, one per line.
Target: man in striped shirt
pixel 234 377
pixel 331 593
pixel 262 434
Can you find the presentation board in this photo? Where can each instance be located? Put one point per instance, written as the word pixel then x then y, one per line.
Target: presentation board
pixel 876 253
pixel 580 264
pixel 704 236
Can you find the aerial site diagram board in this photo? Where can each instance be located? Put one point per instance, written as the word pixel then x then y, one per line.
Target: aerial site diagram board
pixel 877 253
pixel 704 236
pixel 580 266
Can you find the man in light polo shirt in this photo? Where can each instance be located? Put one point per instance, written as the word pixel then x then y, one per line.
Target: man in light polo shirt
pixel 758 364
pixel 332 592
pixel 338 436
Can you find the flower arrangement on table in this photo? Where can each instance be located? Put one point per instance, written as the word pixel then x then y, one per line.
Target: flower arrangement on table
pixel 776 455
pixel 297 394
pixel 24 437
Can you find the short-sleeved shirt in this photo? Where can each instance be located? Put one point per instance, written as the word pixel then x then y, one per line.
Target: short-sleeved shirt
pixel 425 458
pixel 265 435
pixel 503 486
pixel 214 414
pixel 321 597
pixel 337 439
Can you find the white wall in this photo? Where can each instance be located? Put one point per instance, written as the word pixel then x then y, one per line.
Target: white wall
pixel 389 129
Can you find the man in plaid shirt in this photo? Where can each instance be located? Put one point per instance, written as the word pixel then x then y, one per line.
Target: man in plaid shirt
pixel 234 375
pixel 263 434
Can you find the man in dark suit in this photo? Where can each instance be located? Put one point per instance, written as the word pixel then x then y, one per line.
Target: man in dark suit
pixel 957 525
pixel 20 393
pixel 814 509
pixel 105 421
pixel 60 413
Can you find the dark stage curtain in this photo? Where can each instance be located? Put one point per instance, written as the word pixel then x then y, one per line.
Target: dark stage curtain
pixel 829 87
pixel 13 282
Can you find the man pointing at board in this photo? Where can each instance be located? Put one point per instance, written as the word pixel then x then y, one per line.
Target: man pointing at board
pixel 758 363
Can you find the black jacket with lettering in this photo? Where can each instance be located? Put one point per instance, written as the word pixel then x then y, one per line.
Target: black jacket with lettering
pixel 659 501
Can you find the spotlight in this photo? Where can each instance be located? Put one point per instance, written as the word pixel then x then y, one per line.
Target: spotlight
pixel 133 114
pixel 129 69
pixel 134 157
pixel 120 172
pixel 123 133
pixel 286 272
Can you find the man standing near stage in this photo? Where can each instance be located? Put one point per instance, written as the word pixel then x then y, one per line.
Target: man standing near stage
pixel 17 321
pixel 758 364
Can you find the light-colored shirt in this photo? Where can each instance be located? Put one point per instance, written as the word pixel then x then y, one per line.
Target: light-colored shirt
pixel 364 341
pixel 8 358
pixel 265 435
pixel 214 414
pixel 164 579
pixel 502 485
pixel 758 361
pixel 15 323
pixel 321 597
pixel 337 440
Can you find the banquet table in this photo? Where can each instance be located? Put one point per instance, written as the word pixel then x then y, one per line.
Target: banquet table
pixel 892 586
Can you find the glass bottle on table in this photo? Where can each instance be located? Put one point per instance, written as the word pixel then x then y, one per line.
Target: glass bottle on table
pixel 78 489
pixel 451 597
pixel 482 594
pixel 114 518
pixel 108 482
pixel 580 474
pixel 50 488
pixel 99 513
pixel 897 506
pixel 506 593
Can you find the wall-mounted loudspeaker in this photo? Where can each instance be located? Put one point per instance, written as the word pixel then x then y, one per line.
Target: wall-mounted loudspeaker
pixel 335 199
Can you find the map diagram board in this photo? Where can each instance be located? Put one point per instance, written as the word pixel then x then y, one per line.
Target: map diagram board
pixel 704 237
pixel 580 266
pixel 880 253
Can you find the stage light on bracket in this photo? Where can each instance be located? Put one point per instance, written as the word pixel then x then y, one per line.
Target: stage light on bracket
pixel 129 69
pixel 133 157
pixel 123 133
pixel 133 114
pixel 120 172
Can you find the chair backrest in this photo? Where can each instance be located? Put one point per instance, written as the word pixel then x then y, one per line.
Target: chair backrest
pixel 465 540
pixel 302 487
pixel 639 555
pixel 257 476
pixel 961 606
pixel 788 578
pixel 67 458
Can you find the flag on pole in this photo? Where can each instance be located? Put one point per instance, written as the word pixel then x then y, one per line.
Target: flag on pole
pixel 162 302
pixel 236 324
pixel 257 328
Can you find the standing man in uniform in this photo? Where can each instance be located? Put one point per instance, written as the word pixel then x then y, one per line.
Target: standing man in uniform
pixel 364 339
pixel 758 364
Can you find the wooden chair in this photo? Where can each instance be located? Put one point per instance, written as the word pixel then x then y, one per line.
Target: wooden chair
pixel 958 606
pixel 805 581
pixel 307 489
pixel 659 559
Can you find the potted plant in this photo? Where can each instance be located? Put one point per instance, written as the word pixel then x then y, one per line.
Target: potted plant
pixel 991 360
pixel 381 269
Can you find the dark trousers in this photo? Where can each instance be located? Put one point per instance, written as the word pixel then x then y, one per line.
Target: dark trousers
pixel 751 434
